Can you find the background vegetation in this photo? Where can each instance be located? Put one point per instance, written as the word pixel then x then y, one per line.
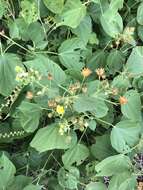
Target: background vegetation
pixel 71 94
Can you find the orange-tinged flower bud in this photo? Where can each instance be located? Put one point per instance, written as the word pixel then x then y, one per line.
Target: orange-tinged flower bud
pixel 86 72
pixel 123 100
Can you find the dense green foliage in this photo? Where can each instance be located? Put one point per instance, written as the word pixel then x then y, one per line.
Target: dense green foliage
pixel 71 88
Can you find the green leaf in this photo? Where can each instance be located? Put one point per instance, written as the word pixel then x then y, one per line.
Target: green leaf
pixel 130 183
pixel 7 171
pixel 35 33
pixel 113 165
pixel 13 30
pixel 32 187
pixel 49 138
pixel 140 32
pixel 70 54
pixel 123 181
pixel 8 62
pixel 29 115
pixel 76 154
pixel 135 63
pixel 112 24
pixel 93 38
pixel 55 6
pixel 44 12
pixel 20 182
pixel 92 87
pixel 83 31
pixel 3 8
pixel 122 83
pixel 97 9
pixel 21 28
pixel 53 183
pixel 97 60
pixel 46 66
pixel 29 11
pixel 110 17
pixel 69 179
pixel 140 14
pixel 102 148
pixel 132 109
pixel 95 186
pixel 125 135
pixel 92 104
pixel 115 61
pixel 96 1
pixel 116 5
pixel 92 125
pixel 73 13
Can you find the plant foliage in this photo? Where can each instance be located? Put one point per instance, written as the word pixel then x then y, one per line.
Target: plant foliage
pixel 71 88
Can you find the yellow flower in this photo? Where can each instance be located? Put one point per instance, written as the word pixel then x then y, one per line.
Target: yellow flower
pixel 60 110
pixel 18 69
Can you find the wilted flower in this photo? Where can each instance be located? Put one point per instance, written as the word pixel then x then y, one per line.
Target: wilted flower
pixel 61 130
pixel 50 115
pixel 114 91
pixel 21 76
pixel 2 32
pixel 140 186
pixel 52 103
pixel 64 127
pixel 84 89
pixel 74 87
pixel 29 95
pixel 101 73
pixel 50 77
pixel 127 35
pixel 25 77
pixel 58 99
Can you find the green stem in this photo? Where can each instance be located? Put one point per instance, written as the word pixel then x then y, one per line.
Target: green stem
pixel 110 124
pixel 3 35
pixel 1 48
pixel 48 52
